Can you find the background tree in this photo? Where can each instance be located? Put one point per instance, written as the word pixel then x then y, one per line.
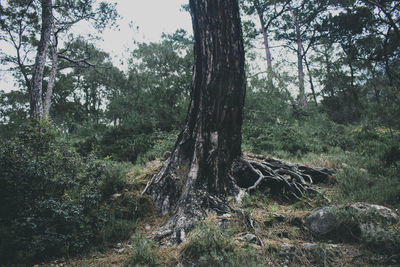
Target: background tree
pixel 36 102
pixel 19 27
pixel 267 12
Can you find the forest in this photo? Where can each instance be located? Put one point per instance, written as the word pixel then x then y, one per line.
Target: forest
pixel 211 149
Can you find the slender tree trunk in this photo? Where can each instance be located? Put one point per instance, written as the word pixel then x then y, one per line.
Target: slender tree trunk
pixel 266 41
pixel 53 72
pixel 36 105
pixel 310 80
pixel 300 71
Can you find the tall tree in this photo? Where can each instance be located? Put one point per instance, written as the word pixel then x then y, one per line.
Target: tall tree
pixel 207 165
pixel 19 25
pixel 36 103
pixel 267 12
pixel 299 50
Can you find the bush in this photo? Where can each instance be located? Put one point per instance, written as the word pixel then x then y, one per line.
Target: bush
pixel 50 197
pixel 373 169
pixel 357 184
pixel 209 245
pixel 163 142
pixel 144 251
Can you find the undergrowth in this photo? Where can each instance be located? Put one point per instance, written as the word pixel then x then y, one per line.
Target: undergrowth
pixel 211 245
pixel 54 202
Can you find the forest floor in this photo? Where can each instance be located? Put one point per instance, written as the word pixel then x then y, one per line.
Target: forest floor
pixel 278 234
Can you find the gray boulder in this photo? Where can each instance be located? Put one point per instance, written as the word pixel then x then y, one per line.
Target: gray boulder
pixel 360 222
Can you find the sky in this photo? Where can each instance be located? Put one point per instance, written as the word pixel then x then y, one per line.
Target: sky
pixel 150 18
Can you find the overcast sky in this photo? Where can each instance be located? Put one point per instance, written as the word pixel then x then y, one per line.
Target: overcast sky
pixel 150 18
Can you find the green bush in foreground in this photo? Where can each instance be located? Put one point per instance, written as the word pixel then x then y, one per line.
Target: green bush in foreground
pixel 209 245
pixel 144 251
pixel 373 169
pixel 50 197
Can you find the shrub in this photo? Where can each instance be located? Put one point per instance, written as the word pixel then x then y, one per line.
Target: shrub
pixel 144 251
pixel 113 176
pixel 50 197
pixel 209 245
pixel 357 184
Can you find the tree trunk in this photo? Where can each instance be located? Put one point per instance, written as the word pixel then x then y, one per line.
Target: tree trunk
pixel 53 72
pixel 206 164
pixel 300 71
pixel 266 42
pixel 36 105
pixel 211 139
pixel 310 80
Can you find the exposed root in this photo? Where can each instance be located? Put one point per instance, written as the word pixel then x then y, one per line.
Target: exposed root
pixel 250 224
pixel 284 179
pixel 188 201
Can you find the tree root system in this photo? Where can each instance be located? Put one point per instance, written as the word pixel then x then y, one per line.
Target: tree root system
pixel 176 191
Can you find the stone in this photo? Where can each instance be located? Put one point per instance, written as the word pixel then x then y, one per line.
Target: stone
pixel 309 246
pixel 250 238
pixel 322 221
pixel 286 249
pixel 116 195
pixel 368 223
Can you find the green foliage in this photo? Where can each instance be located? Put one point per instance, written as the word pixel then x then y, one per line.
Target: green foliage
pixel 51 197
pixel 209 245
pixel 144 251
pixel 295 138
pixel 163 142
pixel 257 199
pixel 372 172
pixel 112 178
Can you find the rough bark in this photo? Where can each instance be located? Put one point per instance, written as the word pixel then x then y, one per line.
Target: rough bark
pixel 196 177
pixel 300 70
pixel 206 165
pixel 36 105
pixel 53 72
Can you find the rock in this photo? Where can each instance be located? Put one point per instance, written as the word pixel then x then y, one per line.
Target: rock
pixel 382 212
pixel 120 250
pixel 116 195
pixel 322 221
pixel 286 249
pixel 309 246
pixel 250 238
pixel 372 224
pixel 313 246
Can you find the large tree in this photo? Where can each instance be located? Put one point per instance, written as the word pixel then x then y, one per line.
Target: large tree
pixel 36 103
pixel 207 165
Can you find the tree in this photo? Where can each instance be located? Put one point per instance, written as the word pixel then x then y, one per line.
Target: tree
pixel 206 164
pixel 267 12
pixel 36 103
pixel 19 25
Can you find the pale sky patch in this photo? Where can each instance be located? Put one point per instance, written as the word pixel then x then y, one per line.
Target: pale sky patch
pixel 149 19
